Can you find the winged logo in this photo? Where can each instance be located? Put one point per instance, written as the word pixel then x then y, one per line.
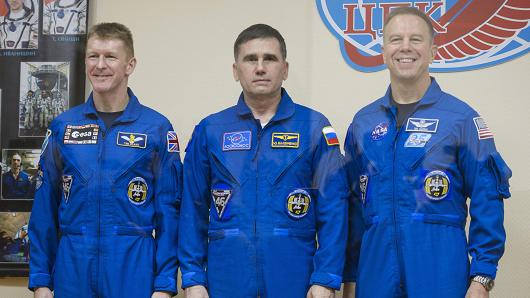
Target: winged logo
pixel 470 34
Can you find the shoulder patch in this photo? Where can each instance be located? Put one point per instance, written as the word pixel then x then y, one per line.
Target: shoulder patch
pixel 330 135
pixel 482 129
pixel 172 142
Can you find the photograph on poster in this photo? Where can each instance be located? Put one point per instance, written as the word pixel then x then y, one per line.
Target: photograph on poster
pixel 19 24
pixel 64 17
pixel 14 240
pixel 44 94
pixel 19 173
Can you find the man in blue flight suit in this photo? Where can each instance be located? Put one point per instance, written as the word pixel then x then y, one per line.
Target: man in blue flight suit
pixel 262 179
pixel 110 177
pixel 15 182
pixel 413 157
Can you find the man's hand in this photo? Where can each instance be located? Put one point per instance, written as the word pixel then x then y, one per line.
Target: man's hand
pixel 317 291
pixel 196 292
pixel 43 293
pixel 161 295
pixel 477 290
pixel 349 290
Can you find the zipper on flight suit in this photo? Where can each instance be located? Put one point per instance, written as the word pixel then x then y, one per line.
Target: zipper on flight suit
pixel 394 202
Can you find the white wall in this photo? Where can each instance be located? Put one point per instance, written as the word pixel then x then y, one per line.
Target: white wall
pixel 184 50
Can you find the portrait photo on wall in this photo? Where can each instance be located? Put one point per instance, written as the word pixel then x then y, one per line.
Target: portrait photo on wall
pixel 64 17
pixel 44 94
pixel 19 24
pixel 14 239
pixel 19 173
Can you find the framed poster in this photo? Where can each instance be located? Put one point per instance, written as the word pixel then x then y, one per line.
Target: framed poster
pixel 42 74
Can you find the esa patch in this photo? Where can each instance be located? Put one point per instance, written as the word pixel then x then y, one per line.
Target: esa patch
pixel 172 142
pixel 363 185
pixel 285 140
pixel 46 141
pixel 482 129
pixel 67 185
pixel 379 131
pixel 131 139
pixel 298 203
pixel 239 140
pixel 81 134
pixel 221 195
pixel 417 139
pixel 330 135
pixel 137 191
pixel 436 185
pixel 422 125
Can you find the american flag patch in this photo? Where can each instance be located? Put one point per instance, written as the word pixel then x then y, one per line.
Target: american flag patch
pixel 172 142
pixel 482 129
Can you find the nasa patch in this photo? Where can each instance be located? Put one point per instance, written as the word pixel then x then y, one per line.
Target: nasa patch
pixel 379 131
pixel 422 125
pixel 436 185
pixel 298 203
pixel 417 139
pixel 131 139
pixel 81 134
pixel 285 140
pixel 221 194
pixel 137 191
pixel 469 34
pixel 67 185
pixel 363 185
pixel 239 140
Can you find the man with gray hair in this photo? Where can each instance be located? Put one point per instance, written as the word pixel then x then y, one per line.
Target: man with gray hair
pixel 414 157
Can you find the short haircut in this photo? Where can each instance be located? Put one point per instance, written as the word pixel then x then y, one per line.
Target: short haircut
pixel 258 31
pixel 408 10
pixel 113 31
pixel 16 154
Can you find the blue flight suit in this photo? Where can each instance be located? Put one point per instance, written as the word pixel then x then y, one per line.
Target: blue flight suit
pixel 407 236
pixel 19 188
pixel 103 192
pixel 256 198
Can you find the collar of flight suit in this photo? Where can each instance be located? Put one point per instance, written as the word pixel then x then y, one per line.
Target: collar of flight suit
pixel 431 96
pixel 131 112
pixel 285 110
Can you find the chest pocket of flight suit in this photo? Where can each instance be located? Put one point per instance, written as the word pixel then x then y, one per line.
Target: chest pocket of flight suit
pixel 226 182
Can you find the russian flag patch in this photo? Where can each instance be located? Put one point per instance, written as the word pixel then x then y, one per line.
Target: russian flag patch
pixel 330 135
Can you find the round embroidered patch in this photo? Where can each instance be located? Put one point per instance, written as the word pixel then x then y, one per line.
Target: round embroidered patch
pixel 137 191
pixel 380 130
pixel 298 203
pixel 436 185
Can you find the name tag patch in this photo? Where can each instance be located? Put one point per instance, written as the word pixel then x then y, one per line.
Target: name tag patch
pixel 422 125
pixel 81 134
pixel 418 139
pixel 285 140
pixel 132 139
pixel 239 140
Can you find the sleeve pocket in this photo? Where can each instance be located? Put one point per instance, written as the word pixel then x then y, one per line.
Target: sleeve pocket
pixel 502 174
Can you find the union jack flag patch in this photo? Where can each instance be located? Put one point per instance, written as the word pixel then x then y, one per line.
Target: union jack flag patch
pixel 172 142
pixel 482 129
